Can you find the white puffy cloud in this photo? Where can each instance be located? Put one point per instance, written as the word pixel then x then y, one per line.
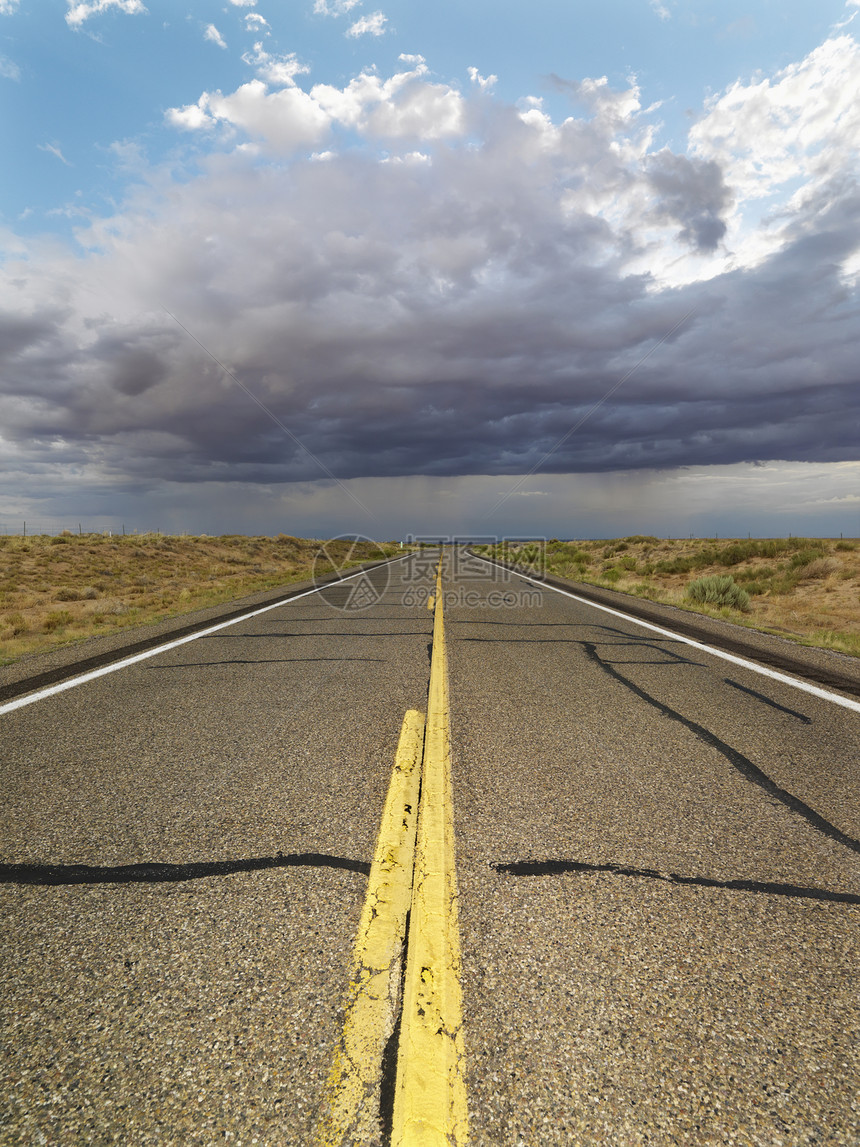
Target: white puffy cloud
pixel 212 34
pixel 279 114
pixel 285 120
pixel 193 117
pixel 243 3
pixel 373 25
pixel 254 21
pixel 802 123
pixel 7 7
pixel 483 82
pixel 786 145
pixel 275 69
pixel 334 7
pixel 78 13
pixel 404 105
pixel 9 70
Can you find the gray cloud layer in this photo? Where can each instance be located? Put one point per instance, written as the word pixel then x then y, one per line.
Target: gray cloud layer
pixel 450 308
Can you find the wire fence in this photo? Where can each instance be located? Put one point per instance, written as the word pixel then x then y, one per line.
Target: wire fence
pixel 30 529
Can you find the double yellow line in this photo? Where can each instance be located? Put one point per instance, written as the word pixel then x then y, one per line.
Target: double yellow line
pixel 412 877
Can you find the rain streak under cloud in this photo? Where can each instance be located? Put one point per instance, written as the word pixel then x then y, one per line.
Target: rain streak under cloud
pixel 421 278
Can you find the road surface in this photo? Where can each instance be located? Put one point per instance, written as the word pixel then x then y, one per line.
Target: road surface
pixel 657 858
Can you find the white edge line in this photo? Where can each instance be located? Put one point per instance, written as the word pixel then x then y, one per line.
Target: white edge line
pixel 824 694
pixel 61 686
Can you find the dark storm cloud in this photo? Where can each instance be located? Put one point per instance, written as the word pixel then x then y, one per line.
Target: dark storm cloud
pixel 692 192
pixel 18 332
pixel 448 311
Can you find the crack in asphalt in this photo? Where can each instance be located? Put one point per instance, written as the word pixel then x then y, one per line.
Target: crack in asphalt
pixel 153 872
pixel 735 758
pixel 559 867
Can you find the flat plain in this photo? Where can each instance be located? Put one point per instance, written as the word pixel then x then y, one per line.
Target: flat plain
pixel 57 589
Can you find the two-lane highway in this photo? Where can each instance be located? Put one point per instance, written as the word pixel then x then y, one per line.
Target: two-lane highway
pixel 657 861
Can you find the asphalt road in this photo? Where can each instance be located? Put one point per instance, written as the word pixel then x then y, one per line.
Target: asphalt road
pixel 657 856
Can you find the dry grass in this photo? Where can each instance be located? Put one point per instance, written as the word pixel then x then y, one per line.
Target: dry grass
pixel 54 590
pixel 801 588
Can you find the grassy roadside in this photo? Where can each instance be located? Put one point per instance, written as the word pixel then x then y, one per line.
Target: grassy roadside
pixel 56 590
pixel 804 589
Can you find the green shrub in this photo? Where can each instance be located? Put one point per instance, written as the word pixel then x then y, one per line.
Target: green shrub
pixel 718 591
pixel 737 552
pixel 644 589
pixel 845 547
pixel 756 587
pixel 806 555
pixel 675 566
pixel 58 620
pixel 785 582
pixel 611 575
pixel 642 539
pixel 17 624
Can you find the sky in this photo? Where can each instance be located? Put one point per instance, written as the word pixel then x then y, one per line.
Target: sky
pixel 327 266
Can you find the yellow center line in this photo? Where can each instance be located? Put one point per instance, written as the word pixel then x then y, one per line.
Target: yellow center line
pixel 414 876
pixel 430 1093
pixel 352 1099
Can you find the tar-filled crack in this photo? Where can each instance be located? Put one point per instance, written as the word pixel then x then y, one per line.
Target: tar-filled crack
pixel 154 872
pixel 768 701
pixel 560 867
pixel 743 764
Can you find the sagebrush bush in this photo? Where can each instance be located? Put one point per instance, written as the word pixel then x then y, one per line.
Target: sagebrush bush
pixel 818 567
pixel 718 590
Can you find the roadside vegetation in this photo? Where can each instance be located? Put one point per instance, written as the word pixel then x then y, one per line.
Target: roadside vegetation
pixel 54 590
pixel 807 589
